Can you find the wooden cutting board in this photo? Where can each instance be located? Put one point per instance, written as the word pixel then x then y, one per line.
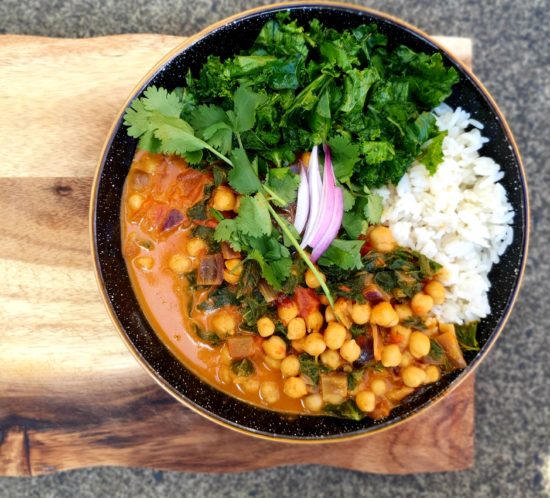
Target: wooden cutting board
pixel 71 395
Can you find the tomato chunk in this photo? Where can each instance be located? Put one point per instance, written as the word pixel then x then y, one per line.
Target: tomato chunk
pixel 307 301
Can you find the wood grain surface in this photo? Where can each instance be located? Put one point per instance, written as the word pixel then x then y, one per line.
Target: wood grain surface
pixel 71 395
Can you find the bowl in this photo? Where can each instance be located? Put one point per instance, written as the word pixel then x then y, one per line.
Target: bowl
pixel 224 39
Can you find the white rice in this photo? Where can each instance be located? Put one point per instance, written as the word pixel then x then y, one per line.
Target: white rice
pixel 460 217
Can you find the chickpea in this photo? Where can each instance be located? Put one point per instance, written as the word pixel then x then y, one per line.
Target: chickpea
pixel 436 291
pixel 266 327
pixel 404 332
pixel 180 264
pixel 314 344
pixel 442 275
pixel 314 321
pixel 272 364
pixel 384 315
pixel 413 376
pixel 230 278
pixel 135 201
pixel 296 328
pixel 335 335
pixel 382 239
pixel 421 303
pixel 403 311
pixel 145 262
pixel 148 164
pixel 295 387
pixel 391 355
pixel 419 344
pixel 235 266
pixel 274 347
pixel 224 323
pixel 350 351
pixel 366 401
pixel 331 359
pixel 196 247
pixel 290 366
pixel 250 385
pixel 223 199
pixel 224 374
pixel 432 374
pixel 378 386
pixel 298 345
pixel 360 313
pixel 287 311
pixel 329 315
pixel 311 280
pixel 406 359
pixel 313 402
pixel 269 392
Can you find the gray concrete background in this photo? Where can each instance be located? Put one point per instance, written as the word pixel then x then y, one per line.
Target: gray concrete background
pixel 512 58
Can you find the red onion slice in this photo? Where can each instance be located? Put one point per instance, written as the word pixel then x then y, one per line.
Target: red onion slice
pixel 302 204
pixel 333 227
pixel 327 201
pixel 315 189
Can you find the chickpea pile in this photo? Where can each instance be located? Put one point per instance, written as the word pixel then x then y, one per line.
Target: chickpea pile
pixel 325 334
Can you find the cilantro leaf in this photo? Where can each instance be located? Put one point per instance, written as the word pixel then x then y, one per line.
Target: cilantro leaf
pixel 354 223
pixel 227 230
pixel 211 124
pixel 254 219
pixel 244 175
pixel 274 270
pixel 373 208
pixel 284 183
pixel 345 254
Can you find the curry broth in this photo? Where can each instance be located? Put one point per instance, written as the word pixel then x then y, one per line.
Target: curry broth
pixel 164 297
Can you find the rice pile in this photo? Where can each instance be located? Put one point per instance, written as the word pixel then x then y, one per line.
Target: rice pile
pixel 460 217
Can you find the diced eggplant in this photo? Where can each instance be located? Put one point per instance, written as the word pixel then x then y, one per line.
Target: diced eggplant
pixel 367 351
pixel 449 343
pixel 376 343
pixel 210 271
pixel 374 295
pixel 240 346
pixel 334 387
pixel 172 220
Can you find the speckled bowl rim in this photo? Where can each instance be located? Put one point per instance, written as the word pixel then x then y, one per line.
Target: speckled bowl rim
pixel 373 429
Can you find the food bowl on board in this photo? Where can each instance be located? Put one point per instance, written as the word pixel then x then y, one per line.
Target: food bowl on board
pixel 225 39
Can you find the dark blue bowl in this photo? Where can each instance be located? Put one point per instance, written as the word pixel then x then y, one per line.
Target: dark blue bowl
pixel 225 39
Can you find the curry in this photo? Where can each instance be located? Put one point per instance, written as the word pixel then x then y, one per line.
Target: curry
pixel 290 349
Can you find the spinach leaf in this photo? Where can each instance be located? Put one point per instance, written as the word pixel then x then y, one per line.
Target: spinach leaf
pixel 206 234
pixel 355 378
pixel 242 368
pixel 466 335
pixel 253 307
pixel 219 297
pixel 347 410
pixel 311 368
